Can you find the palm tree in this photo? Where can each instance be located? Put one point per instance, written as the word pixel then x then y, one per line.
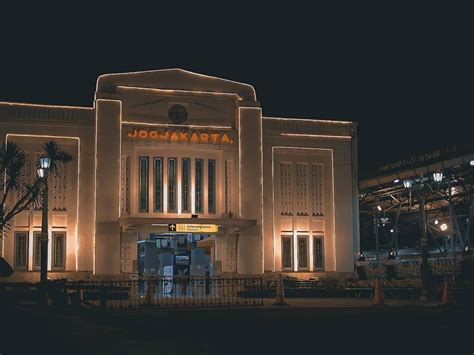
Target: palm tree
pixel 12 162
pixel 58 157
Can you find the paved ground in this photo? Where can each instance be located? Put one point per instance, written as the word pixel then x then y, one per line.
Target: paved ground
pixel 308 326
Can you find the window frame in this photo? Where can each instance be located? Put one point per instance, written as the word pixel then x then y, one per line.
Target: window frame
pixel 37 249
pixel 290 237
pixel 15 253
pixel 53 250
pixel 211 198
pixel 298 255
pixel 186 189
pixel 145 186
pixel 159 184
pixel 174 196
pixel 319 237
pixel 199 192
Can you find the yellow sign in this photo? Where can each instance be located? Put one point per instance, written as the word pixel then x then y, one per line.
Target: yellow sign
pixel 181 136
pixel 193 228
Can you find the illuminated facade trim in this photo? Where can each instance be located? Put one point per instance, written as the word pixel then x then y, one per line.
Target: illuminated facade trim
pixel 220 166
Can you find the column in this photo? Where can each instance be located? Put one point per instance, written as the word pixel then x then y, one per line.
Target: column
pixel 107 187
pixel 250 246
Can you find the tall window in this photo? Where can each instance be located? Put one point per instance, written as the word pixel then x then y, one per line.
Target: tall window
pixel 198 188
pixel 37 249
pixel 211 186
pixel 21 249
pixel 185 184
pixel 287 252
pixel 302 252
pixel 143 184
pixel 318 253
pixel 158 184
pixel 172 184
pixel 59 242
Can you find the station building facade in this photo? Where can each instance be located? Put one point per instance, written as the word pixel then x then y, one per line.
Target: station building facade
pixel 170 147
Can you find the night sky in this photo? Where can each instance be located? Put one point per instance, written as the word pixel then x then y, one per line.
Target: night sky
pixel 401 69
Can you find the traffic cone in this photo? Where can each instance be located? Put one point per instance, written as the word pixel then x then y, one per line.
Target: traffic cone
pixel 446 298
pixel 280 293
pixel 379 299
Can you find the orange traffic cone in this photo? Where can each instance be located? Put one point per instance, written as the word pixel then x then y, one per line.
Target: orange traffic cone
pixel 379 299
pixel 280 293
pixel 446 298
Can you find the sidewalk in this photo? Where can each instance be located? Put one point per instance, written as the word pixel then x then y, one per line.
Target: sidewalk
pixel 348 303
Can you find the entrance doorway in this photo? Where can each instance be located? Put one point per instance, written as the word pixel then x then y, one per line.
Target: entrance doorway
pixel 173 254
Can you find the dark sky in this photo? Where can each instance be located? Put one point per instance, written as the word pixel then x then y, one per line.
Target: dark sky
pixel 401 69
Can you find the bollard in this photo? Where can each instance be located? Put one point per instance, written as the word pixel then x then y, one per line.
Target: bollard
pixel 378 299
pixel 280 293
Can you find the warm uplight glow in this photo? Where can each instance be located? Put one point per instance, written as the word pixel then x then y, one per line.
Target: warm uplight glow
pixel 438 176
pixel 444 227
pixel 407 183
pixel 304 135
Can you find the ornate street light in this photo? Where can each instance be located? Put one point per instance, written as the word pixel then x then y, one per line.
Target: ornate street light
pixel 438 176
pixel 44 163
pixel 425 268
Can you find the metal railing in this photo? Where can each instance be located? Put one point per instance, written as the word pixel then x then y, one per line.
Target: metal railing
pixel 167 292
pixel 410 269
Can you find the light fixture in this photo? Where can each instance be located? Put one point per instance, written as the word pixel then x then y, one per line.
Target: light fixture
pixel 40 173
pixel 396 181
pixel 471 163
pixel 407 184
pixel 444 227
pixel 437 176
pixel 45 162
pixel 391 230
pixel 379 207
pixel 436 221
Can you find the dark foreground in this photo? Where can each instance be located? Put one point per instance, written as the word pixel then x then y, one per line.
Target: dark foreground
pixel 385 330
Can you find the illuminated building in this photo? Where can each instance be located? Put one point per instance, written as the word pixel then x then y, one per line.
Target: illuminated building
pixel 164 148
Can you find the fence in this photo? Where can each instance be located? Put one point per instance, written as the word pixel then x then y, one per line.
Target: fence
pixel 167 292
pixel 410 269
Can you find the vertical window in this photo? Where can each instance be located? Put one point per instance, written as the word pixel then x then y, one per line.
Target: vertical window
pixel 211 186
pixel 198 187
pixel 172 184
pixel 143 184
pixel 318 253
pixel 37 249
pixel 158 184
pixel 185 183
pixel 59 241
pixel 286 252
pixel 302 252
pixel 21 249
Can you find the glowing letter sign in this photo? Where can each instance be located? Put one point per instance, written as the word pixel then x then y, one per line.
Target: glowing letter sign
pixel 181 136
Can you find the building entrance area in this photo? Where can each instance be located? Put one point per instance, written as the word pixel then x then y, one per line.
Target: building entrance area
pixel 174 254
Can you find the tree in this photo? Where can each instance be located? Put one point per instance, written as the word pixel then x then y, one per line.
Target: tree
pixel 12 163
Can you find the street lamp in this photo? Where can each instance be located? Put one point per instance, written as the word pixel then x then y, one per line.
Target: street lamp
pixel 438 176
pixel 44 163
pixel 425 269
pixel 407 184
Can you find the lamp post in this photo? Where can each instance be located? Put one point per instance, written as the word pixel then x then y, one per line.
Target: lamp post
pixel 425 268
pixel 45 163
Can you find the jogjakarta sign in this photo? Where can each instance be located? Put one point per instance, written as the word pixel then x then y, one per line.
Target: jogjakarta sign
pixel 181 136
